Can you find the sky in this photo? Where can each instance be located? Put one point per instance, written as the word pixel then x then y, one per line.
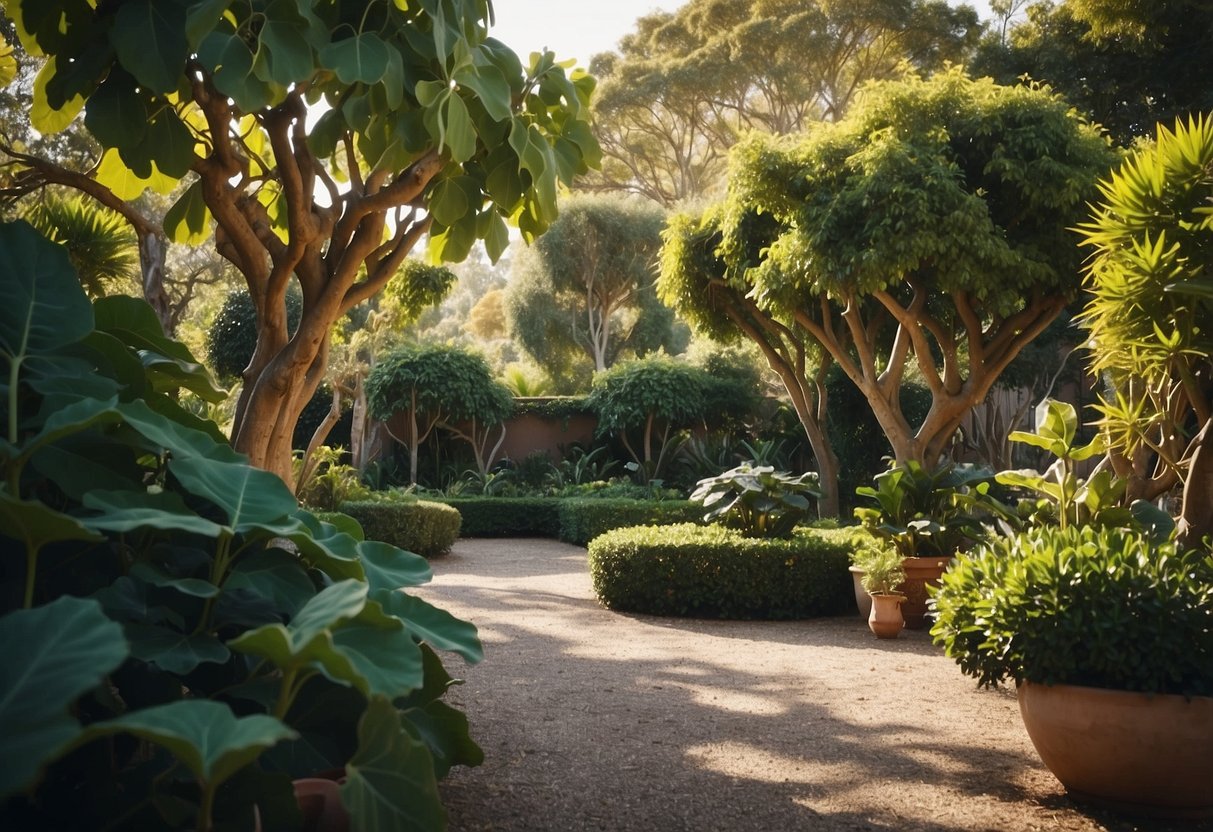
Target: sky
pixel 581 30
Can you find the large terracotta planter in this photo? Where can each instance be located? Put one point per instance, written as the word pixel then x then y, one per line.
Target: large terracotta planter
pixel 1144 753
pixel 320 803
pixel 862 599
pixel 920 573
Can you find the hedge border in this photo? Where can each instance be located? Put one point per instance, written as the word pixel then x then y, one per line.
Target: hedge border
pixel 425 527
pixel 714 572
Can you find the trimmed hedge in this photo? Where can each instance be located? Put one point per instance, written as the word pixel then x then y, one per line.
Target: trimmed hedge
pixel 507 516
pixel 583 519
pixel 420 526
pixel 714 572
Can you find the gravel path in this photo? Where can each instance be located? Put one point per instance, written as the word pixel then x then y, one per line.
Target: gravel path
pixel 594 720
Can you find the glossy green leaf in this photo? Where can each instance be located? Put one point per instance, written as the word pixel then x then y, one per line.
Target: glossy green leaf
pixel 290 54
pixel 149 37
pixel 115 114
pixel 250 498
pixel 212 742
pixel 290 644
pixel 379 656
pixel 175 652
pixel 388 567
pixel 156 575
pixel 201 17
pixel 433 625
pixel 362 58
pixel 444 730
pixel 275 575
pixel 43 306
pixel 391 783
pixel 55 653
pixel 490 86
pixel 34 525
pixel 125 511
pixel 188 220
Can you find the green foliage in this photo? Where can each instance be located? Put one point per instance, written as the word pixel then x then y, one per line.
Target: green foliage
pixel 585 288
pixel 1150 285
pixel 420 526
pixel 560 408
pixel 446 383
pixel 882 565
pixel 941 202
pixel 716 572
pixel 656 396
pixel 683 86
pixel 1126 64
pixel 1103 608
pixel 582 467
pixel 506 516
pixel 757 499
pixel 433 129
pixel 331 483
pixel 199 615
pixel 585 518
pixel 926 513
pixel 99 243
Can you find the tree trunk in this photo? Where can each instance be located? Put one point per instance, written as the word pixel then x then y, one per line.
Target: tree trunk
pixel 152 252
pixel 1196 516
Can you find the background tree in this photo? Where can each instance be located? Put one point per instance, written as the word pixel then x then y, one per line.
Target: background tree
pixel 930 223
pixel 586 286
pixel 440 387
pixel 656 396
pixel 1127 65
pixel 1150 281
pixel 430 122
pixel 686 84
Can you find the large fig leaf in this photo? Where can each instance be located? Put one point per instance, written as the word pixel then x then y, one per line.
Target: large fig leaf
pixel 292 644
pixel 388 567
pixel 377 654
pixel 275 575
pixel 35 525
pixel 176 652
pixel 434 625
pixel 391 783
pixel 54 653
pixel 44 307
pixel 205 735
pixel 444 730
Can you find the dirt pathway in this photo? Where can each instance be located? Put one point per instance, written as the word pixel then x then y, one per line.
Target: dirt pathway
pixel 593 720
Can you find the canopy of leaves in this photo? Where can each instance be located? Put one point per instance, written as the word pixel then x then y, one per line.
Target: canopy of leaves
pixel 630 393
pixel 687 83
pixel 232 338
pixel 1126 64
pixel 586 286
pixel 447 383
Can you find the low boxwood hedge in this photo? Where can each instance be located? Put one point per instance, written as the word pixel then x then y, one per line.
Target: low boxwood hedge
pixel 583 519
pixel 420 526
pixel 507 516
pixel 714 572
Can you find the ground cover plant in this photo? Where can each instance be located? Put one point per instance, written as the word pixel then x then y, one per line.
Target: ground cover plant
pixel 183 639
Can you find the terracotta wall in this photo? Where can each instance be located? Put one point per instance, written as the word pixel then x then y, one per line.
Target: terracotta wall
pixel 525 434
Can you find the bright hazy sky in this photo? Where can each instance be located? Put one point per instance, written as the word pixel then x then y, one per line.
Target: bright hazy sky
pixel 583 28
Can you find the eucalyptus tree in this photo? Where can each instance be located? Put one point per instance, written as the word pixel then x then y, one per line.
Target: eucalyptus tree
pixel 585 288
pixel 930 224
pixel 685 84
pixel 426 125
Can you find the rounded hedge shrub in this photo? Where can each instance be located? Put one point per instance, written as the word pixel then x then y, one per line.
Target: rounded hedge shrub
pixel 716 572
pixel 420 526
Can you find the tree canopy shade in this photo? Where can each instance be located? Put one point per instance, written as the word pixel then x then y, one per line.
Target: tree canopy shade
pixel 1150 284
pixel 687 83
pixel 429 125
pixel 440 387
pixel 931 222
pixel 1126 64
pixel 585 288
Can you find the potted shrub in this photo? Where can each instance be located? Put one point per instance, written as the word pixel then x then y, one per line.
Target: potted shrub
pixel 928 516
pixel 1108 634
pixel 883 574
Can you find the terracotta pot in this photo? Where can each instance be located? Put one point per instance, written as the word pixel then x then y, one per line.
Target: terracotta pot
pixel 886 620
pixel 1144 753
pixel 920 572
pixel 862 599
pixel 320 802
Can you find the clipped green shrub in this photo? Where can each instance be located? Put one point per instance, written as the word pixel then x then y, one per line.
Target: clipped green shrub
pixel 419 526
pixel 583 519
pixel 507 516
pixel 716 572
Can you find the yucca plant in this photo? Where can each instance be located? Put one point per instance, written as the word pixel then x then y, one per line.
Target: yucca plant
pixel 1150 284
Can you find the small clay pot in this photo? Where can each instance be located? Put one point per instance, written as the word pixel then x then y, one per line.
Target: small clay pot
pixel 320 802
pixel 886 620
